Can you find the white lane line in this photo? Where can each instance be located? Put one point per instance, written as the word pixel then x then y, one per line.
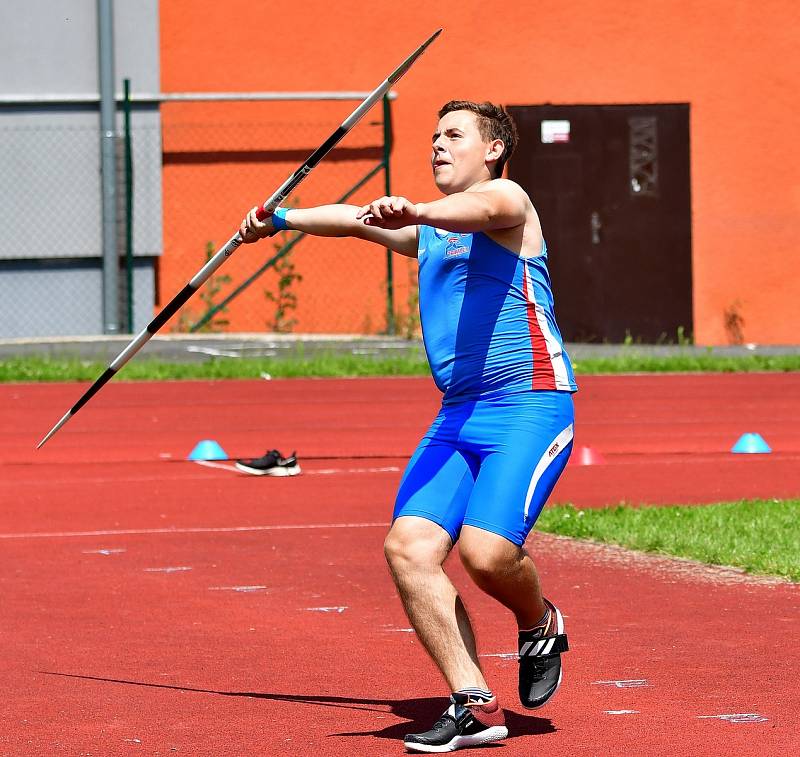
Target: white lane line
pixel 621 712
pixel 197 530
pixel 103 551
pixel 18 483
pixel 329 471
pixel 231 468
pixel 502 655
pixel 634 683
pixel 737 717
pixel 326 609
pixel 212 464
pixel 241 589
pixel 174 569
pixel 318 472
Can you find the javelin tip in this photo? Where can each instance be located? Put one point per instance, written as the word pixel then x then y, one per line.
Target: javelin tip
pixel 408 62
pixel 432 37
pixel 55 428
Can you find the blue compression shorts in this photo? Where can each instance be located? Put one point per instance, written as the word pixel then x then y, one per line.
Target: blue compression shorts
pixel 489 463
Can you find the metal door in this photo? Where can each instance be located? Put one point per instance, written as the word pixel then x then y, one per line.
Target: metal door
pixel 612 188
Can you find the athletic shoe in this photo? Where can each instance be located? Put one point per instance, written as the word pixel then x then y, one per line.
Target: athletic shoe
pixel 466 722
pixel 271 464
pixel 540 660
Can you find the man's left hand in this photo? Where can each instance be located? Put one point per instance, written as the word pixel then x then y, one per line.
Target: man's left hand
pixel 389 213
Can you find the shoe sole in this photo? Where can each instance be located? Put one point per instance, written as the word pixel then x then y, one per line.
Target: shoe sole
pixel 292 470
pixel 559 629
pixel 495 733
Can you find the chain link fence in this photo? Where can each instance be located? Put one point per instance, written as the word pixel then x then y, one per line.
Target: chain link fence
pixel 197 167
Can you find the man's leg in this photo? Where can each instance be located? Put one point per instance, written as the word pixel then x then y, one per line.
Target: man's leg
pixel 427 518
pixel 415 549
pixel 527 443
pixel 509 491
pixel 504 571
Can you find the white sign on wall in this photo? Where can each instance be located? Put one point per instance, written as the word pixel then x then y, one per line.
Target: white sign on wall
pixel 555 131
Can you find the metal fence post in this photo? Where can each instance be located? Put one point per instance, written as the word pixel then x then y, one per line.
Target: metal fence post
pixel 105 41
pixel 126 104
pixel 391 326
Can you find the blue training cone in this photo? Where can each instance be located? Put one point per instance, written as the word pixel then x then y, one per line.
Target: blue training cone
pixel 207 449
pixel 751 443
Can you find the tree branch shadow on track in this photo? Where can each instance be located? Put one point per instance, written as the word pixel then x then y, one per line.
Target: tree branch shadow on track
pixel 420 712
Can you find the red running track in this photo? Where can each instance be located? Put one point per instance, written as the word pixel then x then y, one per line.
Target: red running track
pixel 154 606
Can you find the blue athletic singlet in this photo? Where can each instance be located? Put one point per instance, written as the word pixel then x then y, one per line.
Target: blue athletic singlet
pixel 487 318
pixel 504 433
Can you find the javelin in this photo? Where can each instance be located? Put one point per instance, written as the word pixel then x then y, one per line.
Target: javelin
pixel 225 252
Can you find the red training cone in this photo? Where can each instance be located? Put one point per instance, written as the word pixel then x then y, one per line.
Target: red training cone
pixel 587 456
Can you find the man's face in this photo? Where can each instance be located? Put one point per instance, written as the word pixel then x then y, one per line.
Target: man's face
pixel 459 152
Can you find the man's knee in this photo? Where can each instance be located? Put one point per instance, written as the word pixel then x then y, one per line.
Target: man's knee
pixel 486 555
pixel 411 544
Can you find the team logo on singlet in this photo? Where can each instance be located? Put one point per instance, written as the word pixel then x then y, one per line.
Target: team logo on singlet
pixel 455 247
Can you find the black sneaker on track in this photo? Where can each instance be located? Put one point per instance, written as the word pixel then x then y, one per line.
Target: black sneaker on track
pixel 540 660
pixel 465 723
pixel 271 464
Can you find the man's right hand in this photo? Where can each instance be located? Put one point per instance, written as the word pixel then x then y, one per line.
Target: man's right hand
pixel 252 229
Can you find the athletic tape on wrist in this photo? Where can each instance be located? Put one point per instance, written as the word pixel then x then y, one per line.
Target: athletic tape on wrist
pixel 279 219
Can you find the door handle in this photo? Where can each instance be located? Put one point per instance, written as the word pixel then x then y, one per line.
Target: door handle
pixel 595 224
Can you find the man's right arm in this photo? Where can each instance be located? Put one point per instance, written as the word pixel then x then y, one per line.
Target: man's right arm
pixel 333 221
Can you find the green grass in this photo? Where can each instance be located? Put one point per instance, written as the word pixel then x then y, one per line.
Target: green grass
pixel 759 536
pixel 144 369
pixel 410 363
pixel 628 361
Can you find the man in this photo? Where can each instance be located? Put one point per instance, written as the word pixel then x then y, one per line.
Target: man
pixel 484 470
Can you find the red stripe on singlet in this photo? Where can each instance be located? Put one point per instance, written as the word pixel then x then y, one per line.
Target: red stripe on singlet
pixel 544 376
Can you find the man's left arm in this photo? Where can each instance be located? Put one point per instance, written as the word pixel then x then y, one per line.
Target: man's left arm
pixel 502 204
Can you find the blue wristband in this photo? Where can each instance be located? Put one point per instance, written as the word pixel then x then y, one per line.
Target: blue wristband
pixel 279 219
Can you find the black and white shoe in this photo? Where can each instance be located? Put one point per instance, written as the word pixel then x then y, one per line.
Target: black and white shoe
pixel 540 660
pixel 465 723
pixel 271 464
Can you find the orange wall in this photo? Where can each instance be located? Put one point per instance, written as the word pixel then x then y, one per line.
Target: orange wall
pixel 737 62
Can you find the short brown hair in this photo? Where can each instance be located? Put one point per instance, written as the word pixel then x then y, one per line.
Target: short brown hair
pixel 494 122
